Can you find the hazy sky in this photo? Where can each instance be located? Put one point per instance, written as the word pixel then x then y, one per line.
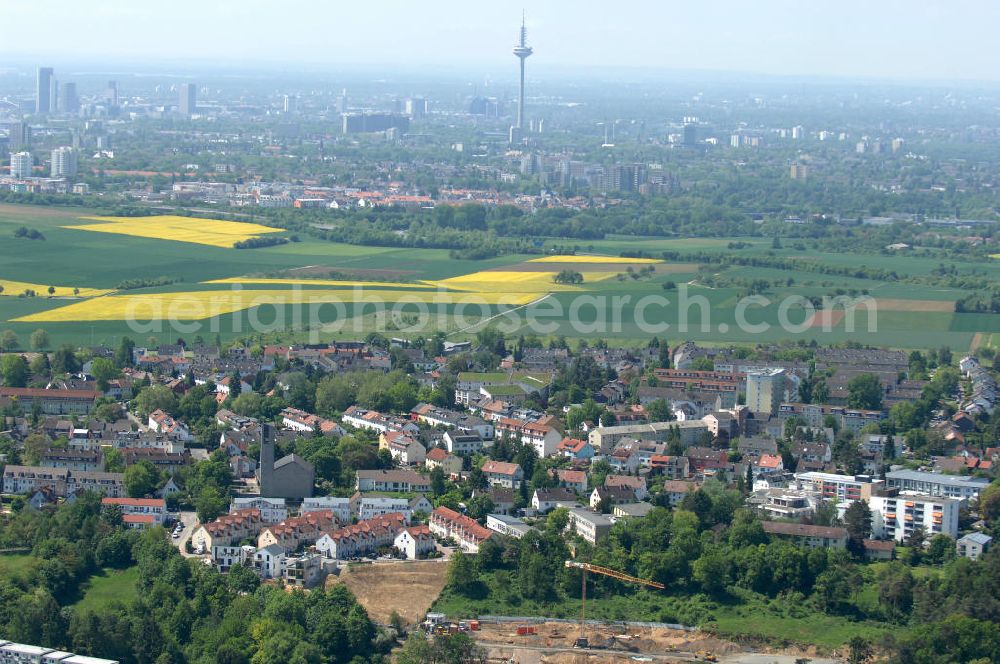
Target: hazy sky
pixel 931 39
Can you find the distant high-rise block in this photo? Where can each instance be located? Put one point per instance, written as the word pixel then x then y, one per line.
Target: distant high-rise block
pixel 291 104
pixel 799 172
pixel 362 123
pixel 69 102
pixel 20 165
pixel 416 107
pixel 19 136
pixel 690 134
pixel 64 163
pixel 43 90
pixel 188 99
pixel 111 93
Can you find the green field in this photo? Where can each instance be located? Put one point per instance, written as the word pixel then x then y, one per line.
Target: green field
pixel 84 259
pixel 109 586
pixel 16 566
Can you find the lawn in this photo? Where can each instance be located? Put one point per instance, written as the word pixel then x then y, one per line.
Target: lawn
pixel 108 586
pixel 816 628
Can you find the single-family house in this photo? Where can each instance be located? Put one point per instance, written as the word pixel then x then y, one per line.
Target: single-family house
pixel 610 496
pixel 448 463
pixel 546 500
pixel 575 449
pixel 634 482
pixel 501 473
pixel 574 480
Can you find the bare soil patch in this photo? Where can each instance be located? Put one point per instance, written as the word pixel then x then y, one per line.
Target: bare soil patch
pixel 408 588
pixel 623 643
pixel 826 318
pixel 977 341
pixel 926 306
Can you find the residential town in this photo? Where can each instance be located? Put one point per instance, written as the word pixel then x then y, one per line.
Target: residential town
pixel 637 429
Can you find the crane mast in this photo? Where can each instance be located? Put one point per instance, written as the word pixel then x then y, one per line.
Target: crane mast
pixel 582 642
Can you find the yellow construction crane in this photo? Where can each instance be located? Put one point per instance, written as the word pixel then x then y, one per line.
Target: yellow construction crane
pixel 582 641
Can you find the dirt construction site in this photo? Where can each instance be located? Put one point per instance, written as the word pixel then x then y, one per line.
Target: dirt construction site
pixel 553 643
pixel 408 588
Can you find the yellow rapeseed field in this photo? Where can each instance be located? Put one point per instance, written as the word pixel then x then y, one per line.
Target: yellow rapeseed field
pixel 208 304
pixel 212 232
pixel 592 259
pixel 15 288
pixel 526 282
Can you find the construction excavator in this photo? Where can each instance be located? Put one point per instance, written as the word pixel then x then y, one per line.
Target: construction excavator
pixel 582 641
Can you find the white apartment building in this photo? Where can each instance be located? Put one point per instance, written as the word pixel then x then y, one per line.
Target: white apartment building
pixel 341 507
pixel 935 484
pixel 20 165
pixel 64 162
pixel 898 516
pixel 272 510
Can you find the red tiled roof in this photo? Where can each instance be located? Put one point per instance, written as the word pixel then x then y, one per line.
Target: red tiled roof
pixel 469 525
pixel 500 467
pixel 135 502
pixel 138 518
pixel 437 454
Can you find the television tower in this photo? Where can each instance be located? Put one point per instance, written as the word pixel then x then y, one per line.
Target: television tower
pixel 522 51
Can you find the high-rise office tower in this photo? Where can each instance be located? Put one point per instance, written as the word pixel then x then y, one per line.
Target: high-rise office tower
pixel 690 134
pixel 416 107
pixel 111 93
pixel 20 165
pixel 188 101
pixel 69 102
pixel 522 51
pixel 64 163
pixel 43 90
pixel 291 103
pixel 19 136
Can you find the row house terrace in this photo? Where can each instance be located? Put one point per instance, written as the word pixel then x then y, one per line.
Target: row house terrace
pixel 372 420
pixel 299 531
pixel 227 530
pixel 301 421
pixel 362 538
pixel 448 523
pixel 441 417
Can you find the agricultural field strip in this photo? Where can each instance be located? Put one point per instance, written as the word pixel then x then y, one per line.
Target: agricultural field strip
pixel 212 232
pixel 16 288
pixel 208 304
pixel 593 259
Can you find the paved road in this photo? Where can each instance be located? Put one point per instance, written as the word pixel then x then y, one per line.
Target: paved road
pixel 190 520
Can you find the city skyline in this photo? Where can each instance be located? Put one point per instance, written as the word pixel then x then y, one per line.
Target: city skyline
pixel 779 37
